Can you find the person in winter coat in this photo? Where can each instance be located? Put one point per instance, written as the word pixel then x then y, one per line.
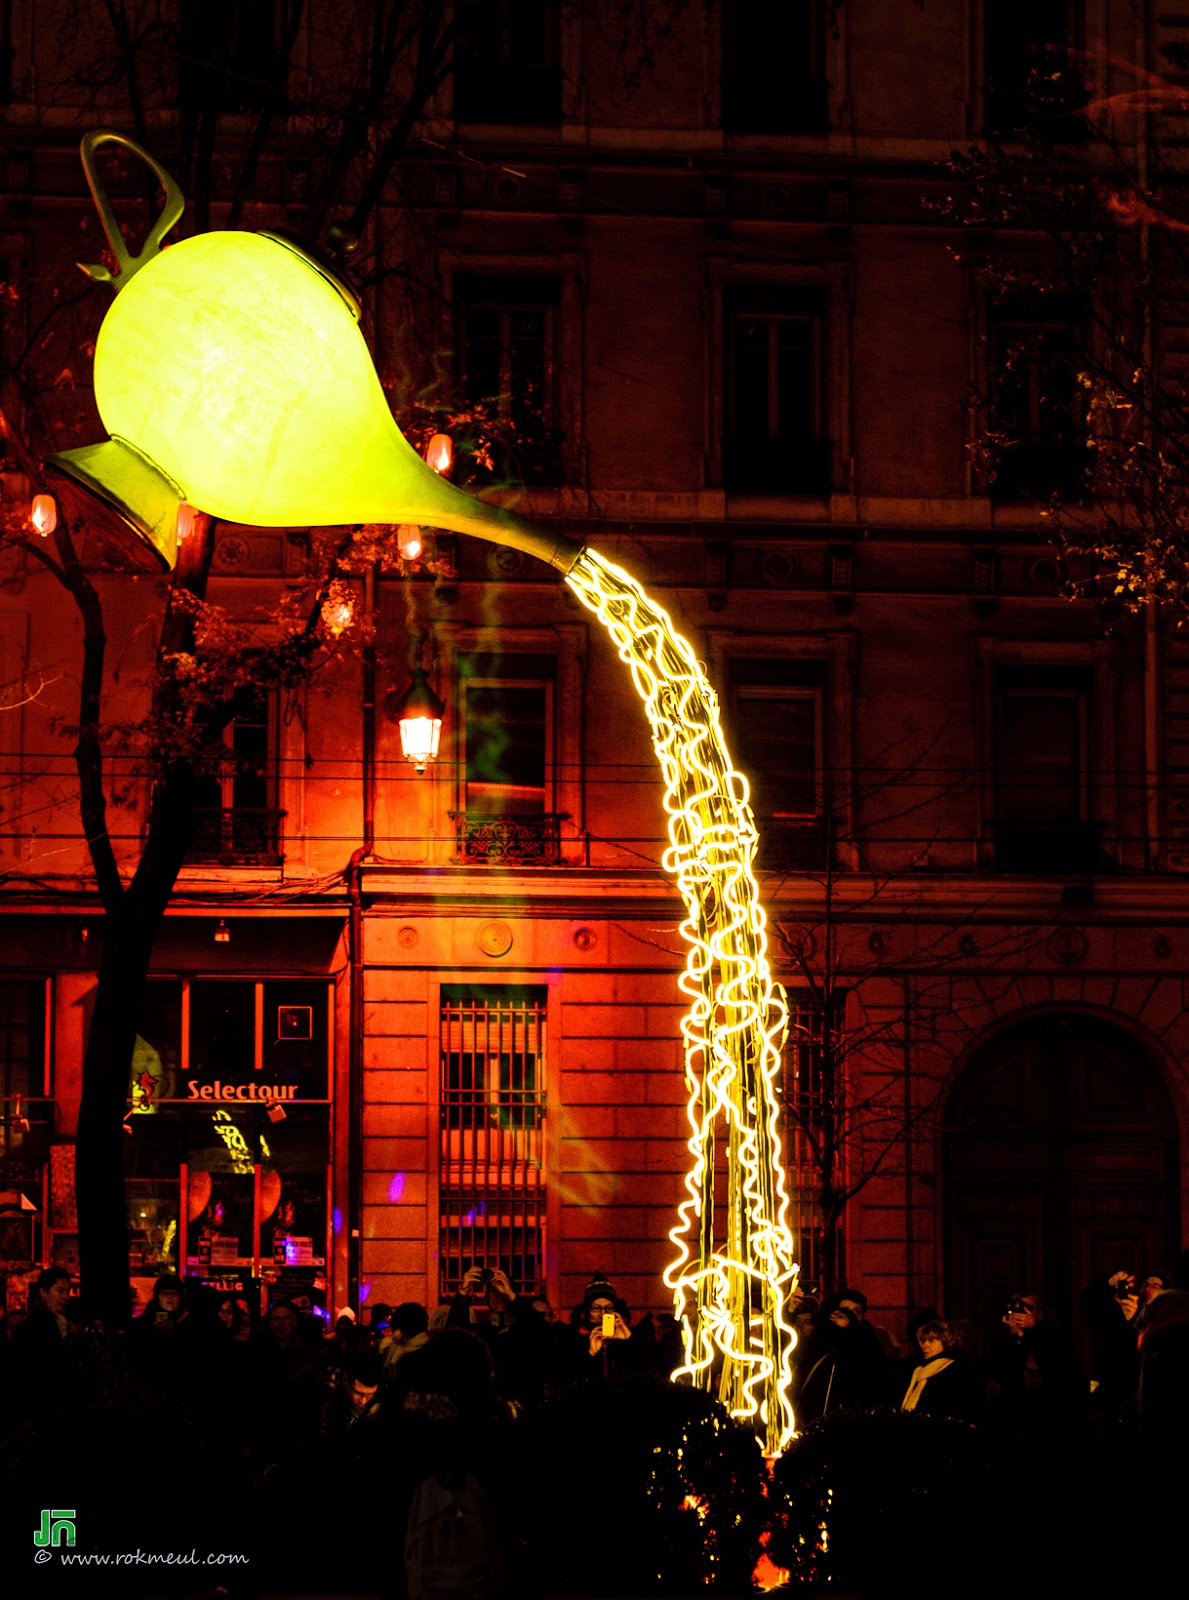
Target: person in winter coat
pixel 1110 1307
pixel 944 1384
pixel 1032 1376
pixel 844 1366
pixel 604 1347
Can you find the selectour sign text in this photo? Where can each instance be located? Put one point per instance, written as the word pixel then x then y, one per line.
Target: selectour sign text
pixel 242 1091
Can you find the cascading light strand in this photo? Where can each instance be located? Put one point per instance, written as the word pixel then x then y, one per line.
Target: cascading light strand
pixel 733 1273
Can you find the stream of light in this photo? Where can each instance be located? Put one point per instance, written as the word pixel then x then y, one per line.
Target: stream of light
pixel 735 1264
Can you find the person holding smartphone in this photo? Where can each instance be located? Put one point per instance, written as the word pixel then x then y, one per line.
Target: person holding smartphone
pixel 602 1322
pixel 607 1322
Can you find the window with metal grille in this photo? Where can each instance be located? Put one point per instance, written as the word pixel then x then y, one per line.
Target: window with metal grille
pixel 507 732
pixel 491 1184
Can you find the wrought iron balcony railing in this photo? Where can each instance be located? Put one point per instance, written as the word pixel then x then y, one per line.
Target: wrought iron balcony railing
pixel 496 841
pixel 1050 847
pixel 791 846
pixel 242 836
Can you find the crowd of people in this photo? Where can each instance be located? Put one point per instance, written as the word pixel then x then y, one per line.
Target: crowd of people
pixel 293 1428
pixel 291 1378
pixel 1027 1376
pixel 288 1378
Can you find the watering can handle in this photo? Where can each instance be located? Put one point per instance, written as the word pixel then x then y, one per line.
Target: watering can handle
pixel 171 211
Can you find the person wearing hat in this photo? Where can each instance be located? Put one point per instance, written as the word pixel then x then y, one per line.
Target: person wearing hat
pixel 166 1308
pixel 603 1323
pixel 346 1338
pixel 160 1338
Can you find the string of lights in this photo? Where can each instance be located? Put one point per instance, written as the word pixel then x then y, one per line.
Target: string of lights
pixel 732 1274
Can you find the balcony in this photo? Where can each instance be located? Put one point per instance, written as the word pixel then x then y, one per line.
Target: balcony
pixel 240 837
pixel 786 846
pixel 777 466
pixel 1059 849
pixel 508 841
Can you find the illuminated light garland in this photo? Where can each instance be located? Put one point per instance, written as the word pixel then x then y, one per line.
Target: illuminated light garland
pixel 732 1275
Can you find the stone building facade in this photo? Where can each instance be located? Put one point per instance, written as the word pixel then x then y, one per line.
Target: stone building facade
pixel 738 336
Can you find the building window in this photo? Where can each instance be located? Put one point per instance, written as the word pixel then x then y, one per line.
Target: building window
pixel 775 391
pixel 507 65
pixel 227 1167
pixel 813 1101
pixel 1032 84
pixel 237 819
pixel 773 67
pixel 234 54
pixel 7 53
pixel 1036 429
pixel 1042 780
pixel 508 815
pixel 491 1197
pixel 777 737
pixel 22 1038
pixel 25 1113
pixel 507 337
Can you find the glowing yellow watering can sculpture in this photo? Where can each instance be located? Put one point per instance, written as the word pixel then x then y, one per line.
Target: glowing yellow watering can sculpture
pixel 231 374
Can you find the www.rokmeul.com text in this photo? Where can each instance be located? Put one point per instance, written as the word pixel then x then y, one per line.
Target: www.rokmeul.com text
pixel 140 1558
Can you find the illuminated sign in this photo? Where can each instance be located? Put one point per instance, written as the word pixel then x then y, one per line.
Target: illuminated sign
pixel 242 1091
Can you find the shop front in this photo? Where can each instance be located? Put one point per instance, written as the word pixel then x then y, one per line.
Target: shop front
pixel 229 1114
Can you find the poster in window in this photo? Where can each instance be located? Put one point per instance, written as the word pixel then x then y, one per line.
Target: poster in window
pixel 16 1242
pixel 298 1226
pixel 225 1223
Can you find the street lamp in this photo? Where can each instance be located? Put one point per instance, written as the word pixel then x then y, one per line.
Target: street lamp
pixel 418 713
pixel 231 374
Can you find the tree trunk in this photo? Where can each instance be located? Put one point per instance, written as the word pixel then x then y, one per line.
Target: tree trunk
pixel 99 1167
pixel 132 920
pixel 129 934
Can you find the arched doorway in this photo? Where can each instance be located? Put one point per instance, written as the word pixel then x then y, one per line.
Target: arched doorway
pixel 1060 1166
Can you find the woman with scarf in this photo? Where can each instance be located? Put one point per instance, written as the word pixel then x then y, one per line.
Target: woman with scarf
pixel 944 1384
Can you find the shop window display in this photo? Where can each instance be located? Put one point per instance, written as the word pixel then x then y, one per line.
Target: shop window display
pixel 229 1112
